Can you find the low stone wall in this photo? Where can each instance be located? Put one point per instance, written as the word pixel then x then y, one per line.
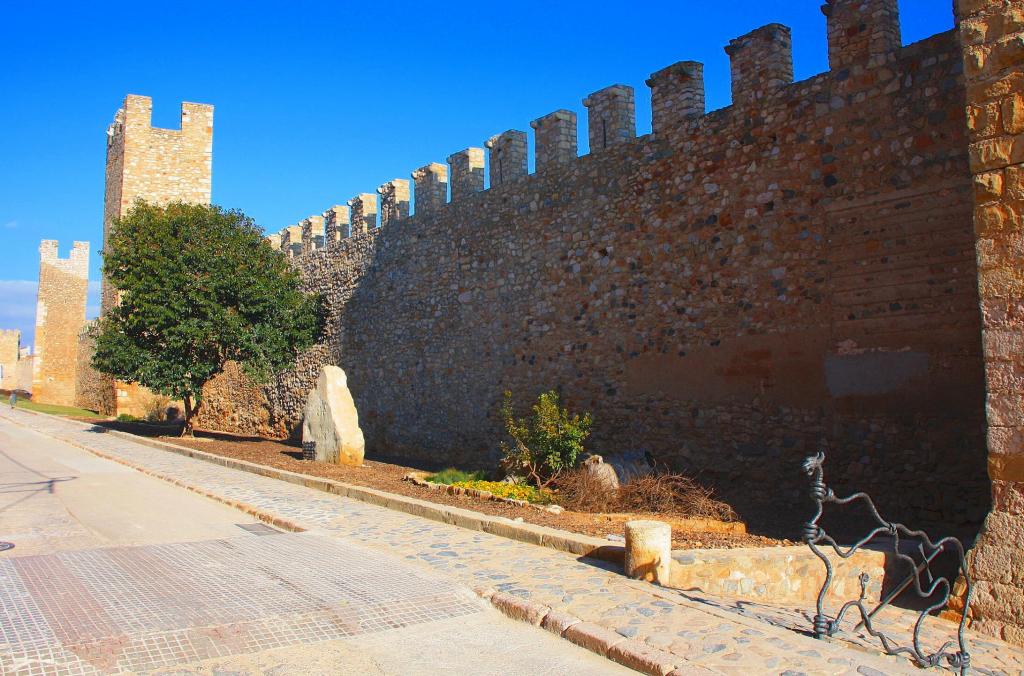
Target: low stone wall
pixel 777 575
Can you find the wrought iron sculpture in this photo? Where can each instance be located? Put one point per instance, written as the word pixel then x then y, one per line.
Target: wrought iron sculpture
pixel 940 587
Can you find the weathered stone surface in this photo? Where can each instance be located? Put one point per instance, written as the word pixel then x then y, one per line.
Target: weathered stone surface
pixel 783 575
pixel 331 421
pixel 10 354
pixel 995 89
pixel 602 471
pixel 649 551
pixel 724 293
pixel 520 609
pixel 60 319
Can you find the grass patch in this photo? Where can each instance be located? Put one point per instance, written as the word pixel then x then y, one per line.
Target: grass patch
pixel 53 409
pixel 452 476
pixel 513 491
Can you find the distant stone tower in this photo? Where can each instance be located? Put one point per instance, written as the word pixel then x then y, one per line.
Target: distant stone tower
pixel 158 166
pixel 60 316
pixel 10 347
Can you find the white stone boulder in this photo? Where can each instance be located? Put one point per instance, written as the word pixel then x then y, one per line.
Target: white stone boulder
pixel 602 471
pixel 330 420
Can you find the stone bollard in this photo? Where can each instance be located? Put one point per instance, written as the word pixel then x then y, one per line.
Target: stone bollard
pixel 649 551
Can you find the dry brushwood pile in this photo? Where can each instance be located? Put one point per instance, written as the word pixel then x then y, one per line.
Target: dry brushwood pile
pixel 664 493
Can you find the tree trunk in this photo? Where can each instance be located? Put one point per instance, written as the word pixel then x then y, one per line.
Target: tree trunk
pixel 190 412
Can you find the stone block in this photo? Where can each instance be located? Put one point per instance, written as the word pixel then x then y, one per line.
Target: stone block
pixel 557 622
pixel 519 608
pixel 1013 113
pixel 649 550
pixel 643 658
pixel 593 637
pixel 330 420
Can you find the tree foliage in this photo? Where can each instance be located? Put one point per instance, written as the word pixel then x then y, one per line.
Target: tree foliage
pixel 546 443
pixel 198 286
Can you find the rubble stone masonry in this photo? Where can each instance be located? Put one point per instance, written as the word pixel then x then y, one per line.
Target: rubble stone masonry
pixel 60 317
pixel 728 293
pixel 736 290
pixel 992 33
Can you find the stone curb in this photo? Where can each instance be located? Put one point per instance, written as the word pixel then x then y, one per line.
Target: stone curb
pixel 572 543
pixel 595 638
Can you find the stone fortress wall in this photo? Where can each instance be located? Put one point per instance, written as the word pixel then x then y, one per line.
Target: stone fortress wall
pixel 158 166
pixel 10 350
pixel 728 292
pixel 60 316
pixel 992 34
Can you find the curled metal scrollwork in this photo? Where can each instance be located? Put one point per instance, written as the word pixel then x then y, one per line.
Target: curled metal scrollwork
pixel 936 590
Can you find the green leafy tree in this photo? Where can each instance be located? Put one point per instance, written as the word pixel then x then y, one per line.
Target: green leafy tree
pixel 198 286
pixel 546 443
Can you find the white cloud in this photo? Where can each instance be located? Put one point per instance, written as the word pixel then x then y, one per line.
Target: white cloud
pixel 18 306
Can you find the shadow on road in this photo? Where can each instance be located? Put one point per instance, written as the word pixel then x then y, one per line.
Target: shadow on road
pixel 46 484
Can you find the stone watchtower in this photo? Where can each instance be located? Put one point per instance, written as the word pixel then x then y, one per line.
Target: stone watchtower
pixel 60 317
pixel 158 166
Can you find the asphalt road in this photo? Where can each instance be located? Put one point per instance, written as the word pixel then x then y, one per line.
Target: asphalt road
pixel 114 571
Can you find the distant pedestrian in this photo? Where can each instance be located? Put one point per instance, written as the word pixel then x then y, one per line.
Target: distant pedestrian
pixel 14 399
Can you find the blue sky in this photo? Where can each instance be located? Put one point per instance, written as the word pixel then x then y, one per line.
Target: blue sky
pixel 318 101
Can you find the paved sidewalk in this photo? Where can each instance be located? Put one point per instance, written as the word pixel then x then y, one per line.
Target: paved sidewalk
pixel 702 633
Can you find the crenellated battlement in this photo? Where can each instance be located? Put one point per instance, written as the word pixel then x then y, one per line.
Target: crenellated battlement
pixel 312 233
pixel 337 224
pixel 861 31
pixel 761 62
pixel 430 183
pixel 394 200
pixel 507 157
pixel 363 210
pixel 136 117
pixel 467 172
pixel 611 116
pixel 77 262
pixel 291 241
pixel 677 94
pixel 861 34
pixel 555 139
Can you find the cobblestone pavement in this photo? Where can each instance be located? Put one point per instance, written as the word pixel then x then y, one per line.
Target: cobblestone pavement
pixel 710 633
pixel 239 598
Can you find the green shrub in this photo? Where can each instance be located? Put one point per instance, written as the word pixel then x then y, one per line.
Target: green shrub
pixel 507 490
pixel 453 475
pixel 127 417
pixel 548 442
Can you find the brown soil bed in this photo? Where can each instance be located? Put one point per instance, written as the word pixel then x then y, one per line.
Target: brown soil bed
pixel 388 477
